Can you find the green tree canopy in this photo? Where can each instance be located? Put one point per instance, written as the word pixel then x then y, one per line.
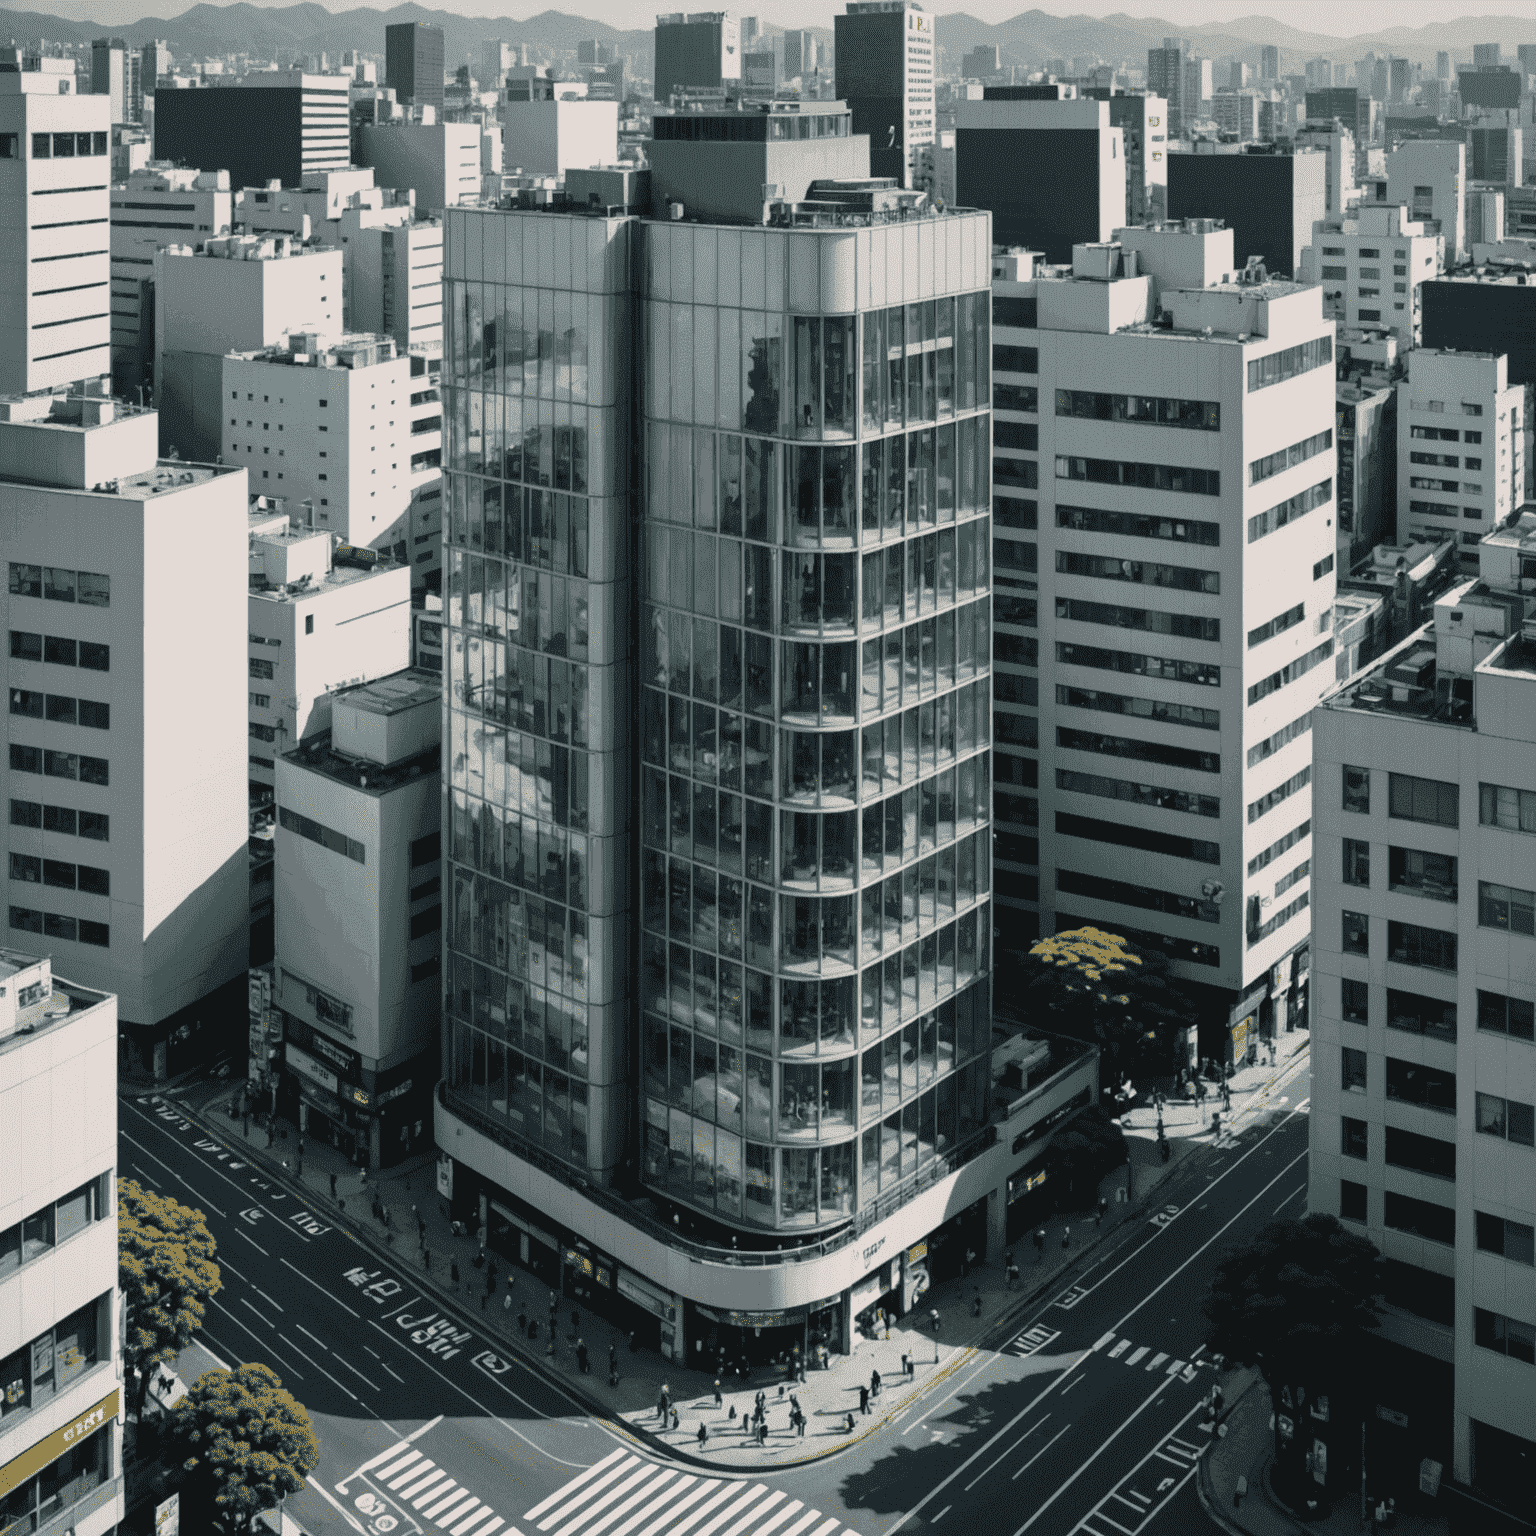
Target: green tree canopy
pixel 245 1441
pixel 166 1270
pixel 1096 987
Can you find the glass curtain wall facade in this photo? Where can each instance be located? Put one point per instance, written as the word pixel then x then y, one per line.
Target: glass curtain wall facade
pixel 537 738
pixel 814 718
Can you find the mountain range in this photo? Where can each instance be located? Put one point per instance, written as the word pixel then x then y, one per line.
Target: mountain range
pixel 1029 39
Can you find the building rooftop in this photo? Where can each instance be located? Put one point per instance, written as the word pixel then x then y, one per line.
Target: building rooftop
pixel 33 1000
pixel 308 349
pixel 347 567
pixel 396 693
pixel 386 699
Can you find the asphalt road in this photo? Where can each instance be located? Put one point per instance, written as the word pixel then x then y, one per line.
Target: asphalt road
pixel 1086 1414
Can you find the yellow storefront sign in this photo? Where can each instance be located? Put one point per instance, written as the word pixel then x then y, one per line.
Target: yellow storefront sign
pixel 48 1450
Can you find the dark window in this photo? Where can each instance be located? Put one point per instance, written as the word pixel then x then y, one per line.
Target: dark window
pixel 1357 789
pixel 1508 1119
pixel 1419 1291
pixel 1422 1218
pixel 1356 933
pixel 26 646
pixel 59 818
pixel 99 934
pixel 1354 1140
pixel 1411 799
pixel 95 714
pixel 423 923
pixel 1504 1335
pixel 97 657
pixel 93 770
pixel 1355 1001
pixel 95 825
pixel 1417 1015
pixel 1015 359
pixel 27 868
pixel 1510 1016
pixel 1422 874
pixel 1014 310
pixel 26 813
pixel 97 881
pixel 1409 944
pixel 61 708
pixel 1357 862
pixel 1354 1070
pixel 61 765
pixel 1423 1154
pixel 59 651
pixel 1410 1082
pixel 27 703
pixel 426 850
pixel 42 146
pixel 1352 1200
pixel 1514 809
pixel 57 873
pixel 1507 907
pixel 1512 1240
pixel 26 759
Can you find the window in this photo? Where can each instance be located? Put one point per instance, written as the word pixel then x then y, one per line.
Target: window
pixel 1283 737
pixel 1287 511
pixel 309 623
pixel 1422 874
pixel 95 714
pixel 1512 1240
pixel 1411 799
pixel 26 702
pixel 1282 845
pixel 1507 907
pixel 1422 1154
pixel 42 146
pixel 1355 1001
pixel 1200 415
pixel 26 580
pixel 1322 567
pixel 1290 672
pixel 1139 751
pixel 304 827
pixel 1409 944
pixel 1272 464
pixel 1146 477
pixel 1416 1015
pixel 1138 525
pixel 1187 626
pixel 44 1229
pixel 1354 1137
pixel 1352 1201
pixel 26 813
pixel 1265 804
pixel 1357 862
pixel 98 658
pixel 1016 397
pixel 1180 578
pixel 1504 1335
pixel 1120 835
pixel 1354 1068
pixel 1419 1291
pixel 1277 367
pixel 26 646
pixel 1123 893
pixel 1421 1218
pixel 1510 1016
pixel 260 668
pixel 1410 1082
pixel 1509 1119
pixel 1204 673
pixel 1356 933
pixel 426 850
pixel 1014 310
pixel 1277 625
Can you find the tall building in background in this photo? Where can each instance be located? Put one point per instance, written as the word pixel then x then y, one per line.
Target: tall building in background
pixel 1199 88
pixel 134 867
pixel 55 275
pixel 1164 571
pixel 1076 191
pixel 1165 78
pixel 1270 201
pixel 1429 177
pixel 885 60
pixel 115 74
pixel 61 1438
pixel 801 54
pixel 274 126
pixel 413 63
pixel 1269 62
pixel 696 53
pixel 496 58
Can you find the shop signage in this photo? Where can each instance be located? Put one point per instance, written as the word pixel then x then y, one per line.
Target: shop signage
pixel 867 1292
pixel 445 1175
pixel 260 990
pixel 1430 1473
pixel 335 1054
pixel 643 1296
pixel 764 1319
pixel 168 1517
pixel 1391 1416
pixel 359 1096
pixel 51 1447
pixel 391 1094
pixel 302 1061
pixel 917 1251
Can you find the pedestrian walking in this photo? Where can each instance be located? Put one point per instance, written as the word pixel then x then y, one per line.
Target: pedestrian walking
pixel 703 1434
pixel 965 1266
pixel 800 1423
pixel 1039 1244
pixel 933 1318
pixel 522 1322
pixel 613 1359
pixel 663 1403
pixel 907 1364
pixel 719 1396
pixel 976 1303
pixel 581 1357
pixel 333 1186
pixel 1013 1274
pixel 453 1273
pixel 269 1133
pixel 426 1260
pixel 762 1431
pixel 848 1422
pixel 1066 1237
pixel 575 1320
pixel 533 1331
pixel 245 1124
pixel 674 1418
pixel 874 1383
pixel 506 1302
pixel 1098 1220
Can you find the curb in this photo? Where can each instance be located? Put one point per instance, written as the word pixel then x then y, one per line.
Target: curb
pixel 1206 1493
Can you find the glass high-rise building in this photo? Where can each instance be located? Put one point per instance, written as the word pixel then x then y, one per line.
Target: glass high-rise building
pixel 719 638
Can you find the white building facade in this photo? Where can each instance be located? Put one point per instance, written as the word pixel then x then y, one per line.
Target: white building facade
pixel 441 161
pixel 1371 267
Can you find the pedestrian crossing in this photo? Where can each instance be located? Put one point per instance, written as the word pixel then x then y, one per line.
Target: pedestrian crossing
pixel 1140 1496
pixel 1032 1342
pixel 625 1495
pixel 1130 1353
pixel 408 1488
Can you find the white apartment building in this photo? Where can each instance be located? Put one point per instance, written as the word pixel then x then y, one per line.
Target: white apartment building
pixel 1163 589
pixel 321 617
pixel 359 917
pixel 1429 177
pixel 125 772
pixel 1236 112
pixel 1337 143
pixel 547 138
pixel 61 1437
pixel 1460 448
pixel 234 294
pixel 158 206
pixel 441 161
pixel 1423 1067
pixel 1370 266
pixel 55 284
pixel 328 425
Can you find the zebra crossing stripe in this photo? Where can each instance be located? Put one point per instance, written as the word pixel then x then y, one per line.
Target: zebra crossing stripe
pixel 1102 1342
pixel 756 1514
pixel 655 1504
pixel 784 1514
pixel 433 1492
pixel 825 1529
pixel 647 1470
pixel 1119 1349
pixel 1174 1369
pixel 799 1526
pixel 440 1498
pixel 453 1507
pixel 1156 1360
pixel 436 1475
pixel 464 1527
pixel 574 1484
pixel 384 1474
pixel 732 1509
pixel 648 1485
pixel 709 1505
pixel 590 1492
pixel 1137 1355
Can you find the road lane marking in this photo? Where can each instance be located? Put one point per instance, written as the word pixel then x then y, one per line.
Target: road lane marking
pixel 1016 1444
pixel 1301 1191
pixel 238 1324
pixel 413 1482
pixel 612 1473
pixel 1174 1369
pixel 339 1302
pixel 254 1244
pixel 1104 1339
pixel 338 1385
pixel 941 1514
pixel 1032 1342
pixel 151 1156
pixel 398 1377
pixel 385 1473
pixel 340 1358
pixel 244 1303
pixel 265 1297
pixel 671 1493
pixel 575 1483
pixel 464 1527
pixel 1076 1381
pixel 1137 1355
pixel 433 1494
pixel 1041 1452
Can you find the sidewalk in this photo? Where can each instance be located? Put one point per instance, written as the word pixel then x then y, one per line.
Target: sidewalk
pixel 826 1398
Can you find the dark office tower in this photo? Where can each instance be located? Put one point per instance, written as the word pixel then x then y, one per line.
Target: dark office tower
pixel 276 125
pixel 413 63
pixel 717 750
pixel 1269 62
pixel 884 62
pixel 1075 192
pixel 982 63
pixel 1486 56
pixel 799 54
pixel 1165 78
pixel 1526 53
pixel 1484 311
pixel 1345 103
pixel 1497 87
pixel 697 53
pixel 115 74
pixel 1269 201
pixel 1442 65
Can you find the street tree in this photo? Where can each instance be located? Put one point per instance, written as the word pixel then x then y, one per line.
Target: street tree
pixel 1298 1301
pixel 245 1442
pixel 166 1271
pixel 1095 986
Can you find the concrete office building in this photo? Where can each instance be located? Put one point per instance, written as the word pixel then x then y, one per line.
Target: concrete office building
pixel 1422 1080
pixel 883 54
pixel 1199 89
pixel 698 53
pixel 61 1439
pixel 1269 62
pixel 154 207
pixel 548 138
pixel 439 161
pixel 1485 310
pixel 759 1103
pixel 1185 827
pixel 359 916
pixel 235 294
pixel 802 53
pixel 1344 102
pixel 267 126
pixel 1076 192
pixel 321 617
pixel 1269 200
pixel 1236 113
pixel 1143 124
pixel 1365 432
pixel 115 74
pixel 55 279
pixel 496 58
pixel 1372 268
pixel 413 63
pixel 1459 416
pixel 1496 153
pixel 1429 178
pixel 1165 78
pixel 154 62
pixel 1337 144
pixel 982 63
pixel 129 826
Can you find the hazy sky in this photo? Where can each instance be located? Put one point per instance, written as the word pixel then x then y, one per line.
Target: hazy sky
pixel 1343 20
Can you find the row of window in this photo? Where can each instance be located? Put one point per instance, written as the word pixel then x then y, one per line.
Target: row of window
pixel 59 146
pixel 1283 737
pixel 1143 709
pixel 31 870
pixel 1432 875
pixel 45 1366
pixel 1277 625
pixel 1139 751
pixel 61 818
pixel 1179 578
pixel 1407 943
pixel 1280 846
pixel 1187 626
pixel 57 584
pixel 59 765
pixel 46 1229
pixel 1444 434
pixel 1137 794
pixel 1140 476
pixel 1124 893
pixel 1281 792
pixel 53 925
pixel 1120 835
pixel 1204 673
pixel 1087 405
pixel 1138 525
pixel 1272 464
pixel 62 708
pixel 1287 511
pixel 306 827
pixel 1290 672
pixel 26 646
pixel 1288 363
